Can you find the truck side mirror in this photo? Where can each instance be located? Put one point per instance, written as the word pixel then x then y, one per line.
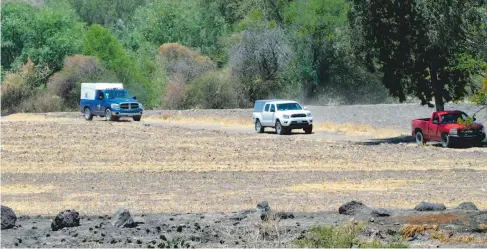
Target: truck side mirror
pixel 305 108
pixel 134 97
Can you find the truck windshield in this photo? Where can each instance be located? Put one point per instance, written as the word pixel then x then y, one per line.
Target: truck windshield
pixel 452 118
pixel 117 94
pixel 289 107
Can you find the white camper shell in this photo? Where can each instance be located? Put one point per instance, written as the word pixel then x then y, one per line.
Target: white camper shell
pixel 88 90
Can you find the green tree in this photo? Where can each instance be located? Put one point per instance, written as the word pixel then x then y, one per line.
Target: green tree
pixel 46 35
pixel 103 44
pixel 106 12
pixel 16 23
pixel 414 43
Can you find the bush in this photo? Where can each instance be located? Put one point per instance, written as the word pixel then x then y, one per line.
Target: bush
pixel 175 94
pixel 41 101
pixel 20 85
pixel 212 91
pixel 182 66
pixel 77 69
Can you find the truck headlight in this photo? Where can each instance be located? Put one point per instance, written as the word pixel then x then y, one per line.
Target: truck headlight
pixel 483 129
pixel 453 131
pixel 115 106
pixel 285 116
pixel 140 105
pixel 309 114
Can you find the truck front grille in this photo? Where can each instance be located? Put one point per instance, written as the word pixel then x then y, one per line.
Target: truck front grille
pixel 469 132
pixel 129 106
pixel 300 115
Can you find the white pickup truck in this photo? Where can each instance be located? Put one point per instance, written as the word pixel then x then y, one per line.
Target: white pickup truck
pixel 282 115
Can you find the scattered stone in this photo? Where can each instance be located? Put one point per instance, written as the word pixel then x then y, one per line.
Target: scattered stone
pixel 239 217
pixel 467 206
pixel 381 212
pixel 122 218
pixel 352 208
pixel 285 215
pixel 19 240
pixel 163 237
pixel 67 218
pixel 8 217
pixel 113 241
pixel 48 235
pixel 34 228
pixel 429 206
pixel 371 219
pixel 180 229
pixel 139 242
pixel 264 206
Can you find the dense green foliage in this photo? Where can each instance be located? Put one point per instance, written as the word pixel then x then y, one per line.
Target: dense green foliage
pixel 228 53
pixel 415 44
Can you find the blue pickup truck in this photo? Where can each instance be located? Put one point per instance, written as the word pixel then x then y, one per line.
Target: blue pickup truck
pixel 109 100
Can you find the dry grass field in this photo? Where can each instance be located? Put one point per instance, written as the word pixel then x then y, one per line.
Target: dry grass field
pixel 49 164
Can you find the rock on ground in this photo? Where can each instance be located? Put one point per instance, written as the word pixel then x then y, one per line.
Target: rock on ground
pixel 264 206
pixel 8 217
pixel 381 212
pixel 122 218
pixel 429 206
pixel 67 218
pixel 353 207
pixel 467 206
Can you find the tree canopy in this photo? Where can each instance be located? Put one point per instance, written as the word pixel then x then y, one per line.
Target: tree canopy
pixel 232 52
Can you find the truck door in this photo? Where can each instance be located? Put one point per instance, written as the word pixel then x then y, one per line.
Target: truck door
pixel 98 103
pixel 272 114
pixel 433 128
pixel 265 115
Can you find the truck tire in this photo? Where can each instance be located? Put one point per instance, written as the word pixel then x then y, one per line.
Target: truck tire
pixel 258 127
pixel 420 138
pixel 108 115
pixel 137 118
pixel 88 115
pixel 279 129
pixel 308 130
pixel 445 141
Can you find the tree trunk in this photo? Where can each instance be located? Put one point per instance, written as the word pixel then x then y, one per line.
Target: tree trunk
pixel 438 90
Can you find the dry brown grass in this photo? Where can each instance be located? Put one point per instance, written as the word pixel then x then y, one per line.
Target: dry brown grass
pixel 358 130
pixel 447 237
pixel 409 231
pixel 361 185
pixel 156 164
pixel 438 219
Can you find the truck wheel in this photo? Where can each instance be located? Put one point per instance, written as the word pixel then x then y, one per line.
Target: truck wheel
pixel 258 127
pixel 137 118
pixel 108 115
pixel 88 115
pixel 445 140
pixel 308 130
pixel 420 138
pixel 279 130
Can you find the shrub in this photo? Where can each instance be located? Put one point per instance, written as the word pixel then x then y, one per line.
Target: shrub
pixel 175 94
pixel 182 65
pixel 67 83
pixel 41 101
pixel 20 85
pixel 184 62
pixel 212 91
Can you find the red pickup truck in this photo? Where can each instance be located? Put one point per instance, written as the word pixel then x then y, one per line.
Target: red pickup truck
pixel 443 127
